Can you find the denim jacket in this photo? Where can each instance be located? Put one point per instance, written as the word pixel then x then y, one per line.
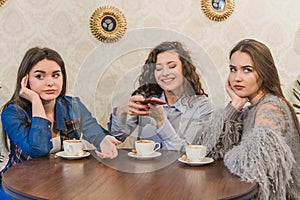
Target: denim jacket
pixel 32 137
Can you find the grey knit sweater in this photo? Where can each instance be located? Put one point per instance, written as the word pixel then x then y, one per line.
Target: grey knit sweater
pixel 259 144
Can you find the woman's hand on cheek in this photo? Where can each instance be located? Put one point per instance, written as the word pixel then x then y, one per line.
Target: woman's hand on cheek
pixel 236 101
pixel 25 92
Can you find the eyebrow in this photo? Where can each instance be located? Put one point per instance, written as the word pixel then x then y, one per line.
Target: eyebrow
pixel 41 71
pixel 167 62
pixel 244 66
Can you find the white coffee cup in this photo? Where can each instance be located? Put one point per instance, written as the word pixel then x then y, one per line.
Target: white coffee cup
pixel 73 147
pixel 195 153
pixel 146 147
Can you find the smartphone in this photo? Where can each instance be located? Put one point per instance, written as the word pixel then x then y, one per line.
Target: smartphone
pixel 154 101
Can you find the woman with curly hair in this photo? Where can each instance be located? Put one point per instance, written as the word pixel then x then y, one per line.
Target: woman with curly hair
pixel 168 75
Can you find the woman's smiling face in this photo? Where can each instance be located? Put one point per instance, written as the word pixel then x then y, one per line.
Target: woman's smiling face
pixel 168 72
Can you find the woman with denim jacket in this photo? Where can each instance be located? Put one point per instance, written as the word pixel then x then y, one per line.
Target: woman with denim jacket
pixel 39 116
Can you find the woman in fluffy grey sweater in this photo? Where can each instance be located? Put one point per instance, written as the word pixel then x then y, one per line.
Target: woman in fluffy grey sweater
pixel 259 142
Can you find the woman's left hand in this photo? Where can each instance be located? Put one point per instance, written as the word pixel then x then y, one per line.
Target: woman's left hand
pixel 27 93
pixel 236 101
pixel 158 113
pixel 108 147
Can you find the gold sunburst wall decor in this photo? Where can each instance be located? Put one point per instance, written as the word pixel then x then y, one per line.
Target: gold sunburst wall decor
pixel 2 2
pixel 217 10
pixel 108 24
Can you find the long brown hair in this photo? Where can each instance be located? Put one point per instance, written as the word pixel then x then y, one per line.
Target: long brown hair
pixel 148 85
pixel 30 59
pixel 266 70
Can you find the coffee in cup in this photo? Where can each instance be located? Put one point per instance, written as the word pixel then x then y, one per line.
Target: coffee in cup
pixel 195 153
pixel 146 147
pixel 73 147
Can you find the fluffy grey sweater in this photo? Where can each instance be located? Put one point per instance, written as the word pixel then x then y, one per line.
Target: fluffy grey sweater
pixel 259 144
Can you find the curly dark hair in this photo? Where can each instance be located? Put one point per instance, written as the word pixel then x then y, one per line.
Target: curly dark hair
pixel 147 84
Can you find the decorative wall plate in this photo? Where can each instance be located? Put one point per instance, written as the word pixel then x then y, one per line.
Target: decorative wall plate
pixel 217 10
pixel 108 24
pixel 2 2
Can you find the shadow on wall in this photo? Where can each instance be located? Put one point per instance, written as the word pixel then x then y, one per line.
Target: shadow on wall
pixel 297 42
pixel 3 152
pixel 4 94
pixel 4 97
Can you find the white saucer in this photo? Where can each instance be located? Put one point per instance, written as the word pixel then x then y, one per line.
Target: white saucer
pixel 144 157
pixel 205 161
pixel 64 155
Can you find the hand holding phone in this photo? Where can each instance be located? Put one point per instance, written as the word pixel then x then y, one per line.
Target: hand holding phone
pixel 154 101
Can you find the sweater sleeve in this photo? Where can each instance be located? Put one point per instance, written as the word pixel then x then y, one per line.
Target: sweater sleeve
pixel 263 154
pixel 122 127
pixel 222 132
pixel 264 157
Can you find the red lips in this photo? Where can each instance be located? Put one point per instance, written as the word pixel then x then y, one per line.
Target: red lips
pixel 238 87
pixel 50 91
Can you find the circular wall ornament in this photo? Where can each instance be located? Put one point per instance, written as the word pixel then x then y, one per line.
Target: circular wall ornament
pixel 217 10
pixel 108 24
pixel 2 2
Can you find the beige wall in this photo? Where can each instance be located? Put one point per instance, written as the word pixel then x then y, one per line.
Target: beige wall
pixel 112 68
